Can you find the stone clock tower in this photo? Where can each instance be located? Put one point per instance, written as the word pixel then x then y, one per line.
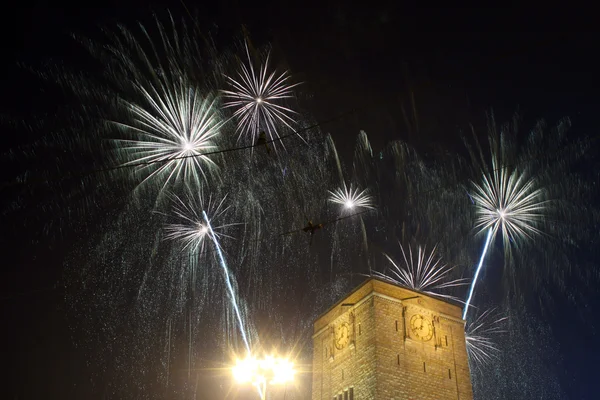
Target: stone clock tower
pixel 386 342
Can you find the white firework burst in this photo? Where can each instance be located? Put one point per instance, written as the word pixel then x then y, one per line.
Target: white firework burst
pixel 423 272
pixel 479 335
pixel 256 95
pixel 351 198
pixel 172 131
pixel 508 202
pixel 192 228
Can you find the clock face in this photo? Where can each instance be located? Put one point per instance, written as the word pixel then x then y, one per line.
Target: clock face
pixel 342 336
pixel 421 328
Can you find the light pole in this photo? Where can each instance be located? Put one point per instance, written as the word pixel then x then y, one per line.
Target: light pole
pixel 264 372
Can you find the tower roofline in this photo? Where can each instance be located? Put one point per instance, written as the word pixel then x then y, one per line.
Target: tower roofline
pixel 376 281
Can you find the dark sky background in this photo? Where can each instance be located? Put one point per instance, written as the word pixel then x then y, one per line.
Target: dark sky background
pixel 457 64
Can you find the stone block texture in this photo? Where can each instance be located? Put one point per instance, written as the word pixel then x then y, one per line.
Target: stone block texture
pixel 384 341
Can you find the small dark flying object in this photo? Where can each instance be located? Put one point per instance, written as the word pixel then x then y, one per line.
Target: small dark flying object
pixel 312 228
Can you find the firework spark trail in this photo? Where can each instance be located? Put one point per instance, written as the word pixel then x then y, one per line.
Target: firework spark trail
pixel 193 232
pixel 228 282
pixel 472 288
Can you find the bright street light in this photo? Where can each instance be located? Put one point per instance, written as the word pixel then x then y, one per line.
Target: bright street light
pixel 262 372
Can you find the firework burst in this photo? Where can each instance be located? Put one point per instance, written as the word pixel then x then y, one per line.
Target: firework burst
pixel 256 96
pixel 480 334
pixel 195 228
pixel 506 201
pixel 422 271
pixel 155 102
pixel 192 228
pixel 351 198
pixel 161 92
pixel 171 133
pixel 510 203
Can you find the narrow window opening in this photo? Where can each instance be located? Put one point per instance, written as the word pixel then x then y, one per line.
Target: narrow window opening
pixel 351 393
pixel 398 359
pixel 449 374
pixel 424 369
pixel 446 341
pixel 359 329
pixel 342 374
pixel 396 326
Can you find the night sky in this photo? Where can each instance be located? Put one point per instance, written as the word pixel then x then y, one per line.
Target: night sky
pixel 458 65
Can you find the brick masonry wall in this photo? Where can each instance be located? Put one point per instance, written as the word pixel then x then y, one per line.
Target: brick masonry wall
pixel 336 370
pixel 383 359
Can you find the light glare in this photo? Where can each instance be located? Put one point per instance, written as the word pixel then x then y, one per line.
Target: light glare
pixel 274 370
pixel 188 146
